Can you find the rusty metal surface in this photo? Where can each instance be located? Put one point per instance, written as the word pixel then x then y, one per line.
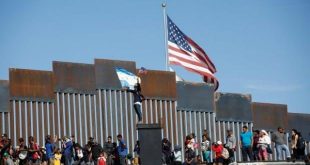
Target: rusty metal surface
pixel 106 77
pixel 159 84
pixel 269 116
pixel 233 107
pixel 195 97
pixel 4 95
pixel 74 77
pixel 300 122
pixel 31 84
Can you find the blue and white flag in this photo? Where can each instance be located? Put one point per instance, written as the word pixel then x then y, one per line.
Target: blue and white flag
pixel 126 78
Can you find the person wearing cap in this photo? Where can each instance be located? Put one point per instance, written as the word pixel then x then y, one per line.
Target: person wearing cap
pixel 279 140
pixel 246 142
pixel 218 149
pixel 177 154
pixel 263 142
pixel 7 159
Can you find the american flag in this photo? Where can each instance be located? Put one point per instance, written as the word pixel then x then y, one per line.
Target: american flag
pixel 183 51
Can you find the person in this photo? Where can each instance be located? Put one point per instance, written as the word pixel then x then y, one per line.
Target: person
pixel 206 148
pixel 246 139
pixel 279 140
pixel 166 151
pixel 231 145
pixel 21 150
pixel 138 98
pixel 189 156
pixel 137 151
pixel 50 149
pixel 218 149
pixel 177 154
pixel 7 159
pixel 298 151
pixel 122 150
pixel 198 160
pixel 57 157
pixel 96 149
pixel 263 142
pixel 102 159
pixel 109 150
pixel 255 142
pixel 67 150
pixel 34 152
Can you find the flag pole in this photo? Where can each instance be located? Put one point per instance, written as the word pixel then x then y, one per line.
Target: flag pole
pixel 163 5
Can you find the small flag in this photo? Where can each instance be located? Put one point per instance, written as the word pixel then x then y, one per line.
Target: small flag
pixel 127 79
pixel 183 51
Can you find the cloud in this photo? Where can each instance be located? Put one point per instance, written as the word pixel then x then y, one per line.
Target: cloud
pixel 274 88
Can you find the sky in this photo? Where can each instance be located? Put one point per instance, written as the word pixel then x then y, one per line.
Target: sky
pixel 259 47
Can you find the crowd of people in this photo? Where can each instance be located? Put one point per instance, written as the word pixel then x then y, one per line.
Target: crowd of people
pixel 255 146
pixel 70 152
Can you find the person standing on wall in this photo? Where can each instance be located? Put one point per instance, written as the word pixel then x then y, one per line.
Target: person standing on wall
pixel 246 143
pixel 138 98
pixel 279 139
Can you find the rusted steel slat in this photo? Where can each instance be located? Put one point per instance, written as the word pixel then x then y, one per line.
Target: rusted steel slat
pixel 233 107
pixel 300 122
pixel 4 96
pixel 159 84
pixel 195 97
pixel 74 77
pixel 269 116
pixel 31 84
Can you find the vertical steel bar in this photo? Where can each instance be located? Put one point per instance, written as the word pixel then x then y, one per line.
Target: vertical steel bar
pixel 48 118
pixel 69 112
pixel 95 111
pixel 166 117
pixel 131 123
pixel 156 111
pixel 42 120
pixel 121 112
pixel 146 111
pixel 185 121
pixel 14 120
pixel 90 115
pixel 126 116
pixel 110 101
pixel 105 112
pixel 176 123
pixel 64 114
pixel 58 115
pixel 31 121
pixel 190 122
pixel 26 119
pixel 100 116
pixel 151 110
pixel 80 119
pixel 53 116
pixel 116 113
pixel 37 122
pixel 74 116
pixel 85 117
pixel 20 118
pixel 171 123
pixel 161 117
